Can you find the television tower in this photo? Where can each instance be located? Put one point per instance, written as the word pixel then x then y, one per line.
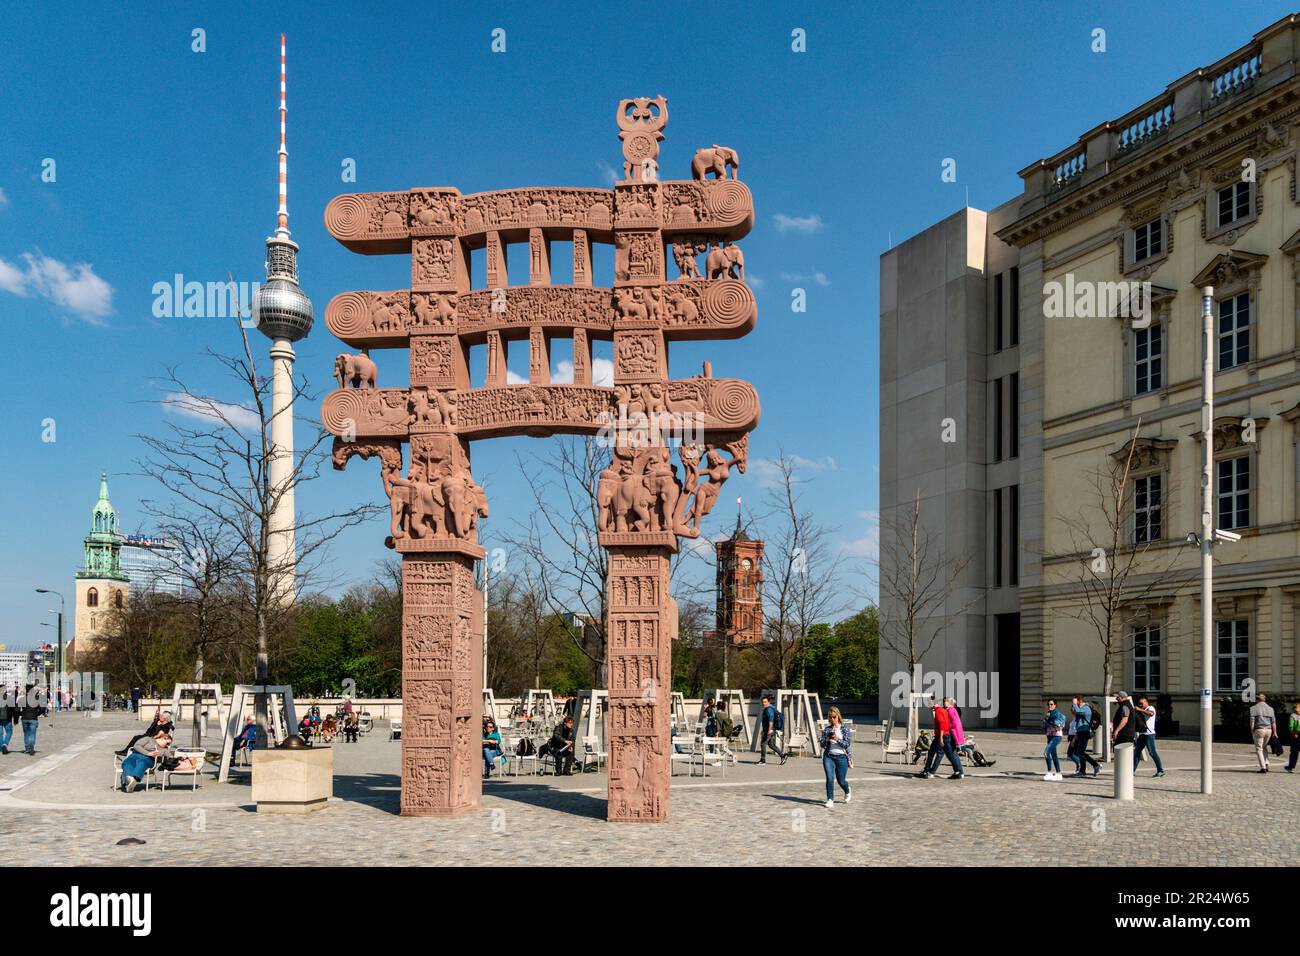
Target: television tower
pixel 283 313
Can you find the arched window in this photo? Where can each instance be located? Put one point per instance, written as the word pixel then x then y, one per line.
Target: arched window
pixel 92 597
pixel 117 599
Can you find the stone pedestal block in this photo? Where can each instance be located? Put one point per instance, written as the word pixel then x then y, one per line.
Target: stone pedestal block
pixel 293 781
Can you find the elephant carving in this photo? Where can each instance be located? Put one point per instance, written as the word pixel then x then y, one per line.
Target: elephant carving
pixel 726 261
pixel 715 159
pixel 355 370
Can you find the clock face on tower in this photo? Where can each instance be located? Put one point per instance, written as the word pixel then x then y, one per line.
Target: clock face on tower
pixel 746 564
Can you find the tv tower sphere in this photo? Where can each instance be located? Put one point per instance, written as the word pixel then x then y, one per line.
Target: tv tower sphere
pixel 281 309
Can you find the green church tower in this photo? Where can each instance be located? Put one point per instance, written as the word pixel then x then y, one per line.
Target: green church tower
pixel 104 543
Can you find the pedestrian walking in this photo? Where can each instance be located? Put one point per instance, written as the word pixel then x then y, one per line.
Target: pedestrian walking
pixel 837 755
pixel 9 716
pixel 1080 733
pixel 1293 725
pixel 1146 739
pixel 31 709
pixel 773 723
pixel 1263 725
pixel 1123 726
pixel 941 746
pixel 1054 729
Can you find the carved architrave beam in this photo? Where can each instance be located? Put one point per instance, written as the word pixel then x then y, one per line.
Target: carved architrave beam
pixel 684 309
pixel 710 408
pixel 380 223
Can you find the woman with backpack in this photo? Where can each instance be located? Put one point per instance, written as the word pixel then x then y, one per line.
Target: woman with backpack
pixel 1054 728
pixel 1081 728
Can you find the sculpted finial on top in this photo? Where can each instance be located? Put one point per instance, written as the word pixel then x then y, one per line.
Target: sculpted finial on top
pixel 641 122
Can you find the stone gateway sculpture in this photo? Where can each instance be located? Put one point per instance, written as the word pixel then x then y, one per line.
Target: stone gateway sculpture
pixel 646 500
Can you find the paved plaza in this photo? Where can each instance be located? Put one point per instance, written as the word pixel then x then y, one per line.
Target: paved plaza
pixel 1005 815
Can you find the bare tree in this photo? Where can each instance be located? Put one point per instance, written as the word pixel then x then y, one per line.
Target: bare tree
pixel 559 545
pixel 219 472
pixel 801 571
pixel 915 586
pixel 1117 571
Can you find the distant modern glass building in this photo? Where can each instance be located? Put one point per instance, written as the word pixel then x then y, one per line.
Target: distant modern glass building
pixel 13 668
pixel 152 564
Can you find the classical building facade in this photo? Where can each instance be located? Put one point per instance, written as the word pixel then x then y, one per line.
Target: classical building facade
pixel 1033 353
pixel 102 587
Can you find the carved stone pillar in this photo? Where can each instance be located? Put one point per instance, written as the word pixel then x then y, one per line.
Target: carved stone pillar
pixel 642 625
pixel 497 274
pixel 581 258
pixel 496 360
pixel 539 357
pixel 581 357
pixel 442 682
pixel 539 258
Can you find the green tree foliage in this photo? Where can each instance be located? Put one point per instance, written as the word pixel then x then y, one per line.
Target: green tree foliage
pixel 844 660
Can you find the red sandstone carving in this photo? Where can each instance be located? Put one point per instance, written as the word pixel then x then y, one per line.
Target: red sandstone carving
pixel 355 370
pixel 715 159
pixel 646 501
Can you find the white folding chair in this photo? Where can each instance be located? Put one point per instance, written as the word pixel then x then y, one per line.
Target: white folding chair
pixel 198 756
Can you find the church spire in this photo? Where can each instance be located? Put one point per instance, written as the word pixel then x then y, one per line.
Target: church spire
pixel 103 546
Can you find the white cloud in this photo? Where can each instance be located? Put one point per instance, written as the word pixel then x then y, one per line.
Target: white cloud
pixel 607 172
pixel 75 287
pixel 805 224
pixel 212 411
pixel 768 472
pixel 602 373
pixel 866 545
pixel 819 278
pixel 12 279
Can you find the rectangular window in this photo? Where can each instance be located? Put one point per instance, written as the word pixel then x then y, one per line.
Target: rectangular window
pixel 1148 359
pixel 1013 414
pixel 997 537
pixel 1013 532
pixel 1146 658
pixel 997 419
pixel 1234 331
pixel 1148 240
pixel 997 312
pixel 1234 492
pixel 1234 203
pixel 1232 653
pixel 1147 508
pixel 1014 303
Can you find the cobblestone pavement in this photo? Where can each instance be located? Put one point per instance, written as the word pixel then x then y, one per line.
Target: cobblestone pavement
pixel 1004 815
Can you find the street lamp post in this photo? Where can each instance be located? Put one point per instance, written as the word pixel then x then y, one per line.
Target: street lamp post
pixel 58 661
pixel 1207 539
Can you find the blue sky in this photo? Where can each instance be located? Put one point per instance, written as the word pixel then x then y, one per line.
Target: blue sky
pixel 165 163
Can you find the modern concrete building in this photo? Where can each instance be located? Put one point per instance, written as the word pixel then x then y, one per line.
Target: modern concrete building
pixel 1023 349
pixel 153 564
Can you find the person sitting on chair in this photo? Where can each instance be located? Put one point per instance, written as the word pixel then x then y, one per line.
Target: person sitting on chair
pixel 562 747
pixel 246 738
pixel 162 723
pixel 145 755
pixel 329 728
pixel 351 726
pixel 492 750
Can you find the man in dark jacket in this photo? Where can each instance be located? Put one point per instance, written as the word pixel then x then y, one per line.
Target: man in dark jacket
pixel 8 716
pixel 562 747
pixel 163 722
pixel 31 709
